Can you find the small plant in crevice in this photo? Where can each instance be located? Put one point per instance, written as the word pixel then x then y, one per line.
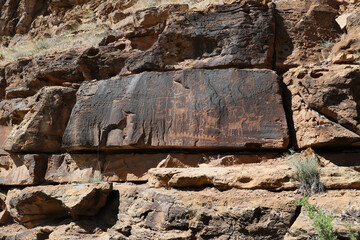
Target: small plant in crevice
pixel 96 175
pixel 327 44
pixel 306 171
pixel 321 221
pixel 325 52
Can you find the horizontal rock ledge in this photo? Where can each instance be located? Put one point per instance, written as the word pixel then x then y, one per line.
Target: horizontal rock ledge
pixel 265 176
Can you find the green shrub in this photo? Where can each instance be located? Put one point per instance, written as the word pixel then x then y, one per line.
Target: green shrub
pixel 351 232
pixel 307 172
pixel 320 220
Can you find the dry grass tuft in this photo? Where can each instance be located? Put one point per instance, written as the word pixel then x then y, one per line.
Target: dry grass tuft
pixel 40 47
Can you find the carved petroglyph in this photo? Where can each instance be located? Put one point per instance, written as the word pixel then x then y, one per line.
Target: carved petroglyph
pixel 186 108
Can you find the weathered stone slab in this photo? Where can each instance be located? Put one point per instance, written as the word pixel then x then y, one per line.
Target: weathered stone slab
pixel 242 177
pixel 190 108
pixel 42 127
pixel 325 105
pixel 241 34
pixel 271 176
pixel 26 169
pixel 35 205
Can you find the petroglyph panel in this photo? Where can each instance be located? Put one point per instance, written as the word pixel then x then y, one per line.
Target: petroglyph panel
pixel 190 108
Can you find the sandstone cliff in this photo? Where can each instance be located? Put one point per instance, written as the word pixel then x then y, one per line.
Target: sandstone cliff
pixel 130 119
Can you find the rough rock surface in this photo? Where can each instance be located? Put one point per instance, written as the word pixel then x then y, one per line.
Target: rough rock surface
pixel 190 108
pixel 26 77
pixel 20 170
pixel 35 205
pixel 184 89
pixel 272 175
pixel 303 29
pixel 347 49
pixel 157 213
pixel 237 35
pixel 17 16
pixel 344 205
pixel 45 122
pixel 325 105
pixel 70 167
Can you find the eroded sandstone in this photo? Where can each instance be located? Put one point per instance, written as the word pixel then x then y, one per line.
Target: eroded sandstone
pixel 43 125
pixel 190 108
pixel 325 105
pixel 35 205
pixel 234 35
pixel 305 32
pixel 18 169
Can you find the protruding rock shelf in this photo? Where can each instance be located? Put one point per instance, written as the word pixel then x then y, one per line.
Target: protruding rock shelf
pixel 35 205
pixel 189 108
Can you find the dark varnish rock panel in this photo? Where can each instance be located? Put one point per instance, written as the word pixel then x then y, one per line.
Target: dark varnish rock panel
pixel 232 35
pixel 189 108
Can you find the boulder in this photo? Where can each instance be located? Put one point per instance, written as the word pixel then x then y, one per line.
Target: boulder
pixel 22 170
pixel 232 35
pixel 190 108
pixel 16 231
pixel 305 32
pixel 103 62
pixel 325 105
pixel 12 112
pixel 43 126
pixel 2 83
pixel 35 205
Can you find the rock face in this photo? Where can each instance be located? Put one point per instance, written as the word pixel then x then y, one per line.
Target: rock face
pixel 17 16
pixel 26 77
pixel 20 170
pixel 303 30
pixel 237 35
pixel 192 105
pixel 347 49
pixel 44 124
pixel 207 214
pixel 35 205
pixel 74 167
pixel 325 105
pixel 202 108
